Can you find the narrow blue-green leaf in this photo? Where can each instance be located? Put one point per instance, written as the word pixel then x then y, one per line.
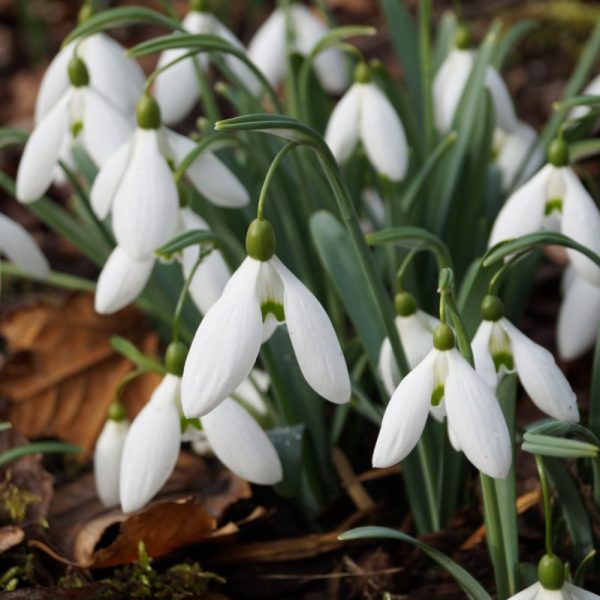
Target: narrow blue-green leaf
pixel 38 447
pixel 594 415
pixel 61 280
pixel 116 17
pixel 289 443
pixel 510 39
pixel 464 579
pixel 444 39
pixel 139 359
pixel 472 290
pixel 186 239
pixel 12 137
pixel 583 149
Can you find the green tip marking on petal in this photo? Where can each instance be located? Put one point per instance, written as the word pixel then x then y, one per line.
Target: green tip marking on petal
pixel 274 308
pixel 76 128
pixel 554 204
pixel 503 359
pixel 437 395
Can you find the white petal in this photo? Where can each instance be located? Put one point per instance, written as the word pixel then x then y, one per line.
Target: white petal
pixel 581 221
pixel 405 415
pixel 343 127
pixel 578 593
pixel 267 48
pixel 111 72
pixel 543 381
pixel 105 127
pixel 476 418
pixel 529 593
pixel 503 105
pixel 269 327
pixel 250 390
pixel 152 447
pixel 382 134
pixel 225 346
pixel 20 248
pixel 41 153
pixel 313 338
pixel 54 83
pixel 121 281
pixel 513 151
pixel 452 438
pixel 241 445
pixel 578 318
pixel 416 334
pixel 107 460
pixel 523 212
pixel 484 363
pixel 388 368
pixel 108 180
pixel 146 205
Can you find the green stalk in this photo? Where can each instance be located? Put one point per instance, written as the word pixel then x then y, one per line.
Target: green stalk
pixel 55 278
pixel 426 70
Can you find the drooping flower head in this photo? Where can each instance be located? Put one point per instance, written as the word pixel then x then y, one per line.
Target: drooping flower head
pixel 20 248
pixel 364 114
pixel 261 295
pixel 445 384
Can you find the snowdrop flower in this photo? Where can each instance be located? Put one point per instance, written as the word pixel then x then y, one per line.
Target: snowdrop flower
pixel 138 186
pixel 84 116
pixel 18 246
pixel 365 114
pixel 499 347
pixel 552 584
pixel 415 329
pixel 553 198
pixel 476 424
pixel 579 316
pixel 176 88
pixel 450 81
pixel 268 47
pixel 122 279
pixel 108 453
pixel 260 295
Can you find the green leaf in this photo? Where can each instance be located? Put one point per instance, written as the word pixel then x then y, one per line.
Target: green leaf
pixel 185 239
pixel 472 290
pixel 466 581
pixel 289 443
pixel 126 15
pixel 139 359
pixel 12 137
pixel 38 447
pixel 583 149
pixel 510 39
pixel 594 415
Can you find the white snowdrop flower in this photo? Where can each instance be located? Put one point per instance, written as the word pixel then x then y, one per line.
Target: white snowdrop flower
pixel 19 247
pixel 499 347
pixel 261 294
pixel 578 317
pixel 176 88
pixel 268 47
pixel 552 584
pixel 151 447
pixel 553 198
pixel 476 424
pixel 83 116
pixel 449 84
pixel 365 114
pixel 592 89
pixel 108 453
pixel 510 151
pixel 111 72
pixel 415 329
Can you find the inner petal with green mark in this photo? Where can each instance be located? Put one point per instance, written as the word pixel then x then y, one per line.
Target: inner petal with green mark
pixel 553 204
pixel 76 128
pixel 440 372
pixel 500 349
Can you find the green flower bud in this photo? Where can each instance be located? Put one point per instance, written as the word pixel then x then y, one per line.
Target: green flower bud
pixel 443 337
pixel 175 358
pixel 551 572
pixel 85 12
pixel 406 304
pixel 462 38
pixel 558 152
pixel 147 113
pixel 116 411
pixel 78 73
pixel 260 240
pixel 199 5
pixel 492 308
pixel 362 73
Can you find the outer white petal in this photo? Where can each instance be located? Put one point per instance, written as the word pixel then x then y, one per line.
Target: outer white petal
pixel 105 127
pixel 118 77
pixel 416 334
pixel 448 85
pixel 54 83
pixel 20 248
pixel 225 346
pixel 41 153
pixel 543 381
pixel 388 369
pixel 152 447
pixel 578 593
pixel 484 363
pixel 382 134
pixel 121 281
pixel 452 438
pixel 523 212
pixel 578 318
pixel 503 105
pixel 249 391
pixel 581 221
pixel 529 593
pixel 313 338
pixel 211 276
pixel 146 205
pixel 343 127
pixel 241 445
pixel 513 152
pixel 108 180
pixel 476 418
pixel 107 460
pixel 269 327
pixel 405 415
pixel 267 47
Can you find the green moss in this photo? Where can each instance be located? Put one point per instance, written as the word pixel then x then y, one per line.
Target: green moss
pixel 14 502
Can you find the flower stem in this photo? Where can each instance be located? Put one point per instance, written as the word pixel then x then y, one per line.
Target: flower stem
pixel 547 504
